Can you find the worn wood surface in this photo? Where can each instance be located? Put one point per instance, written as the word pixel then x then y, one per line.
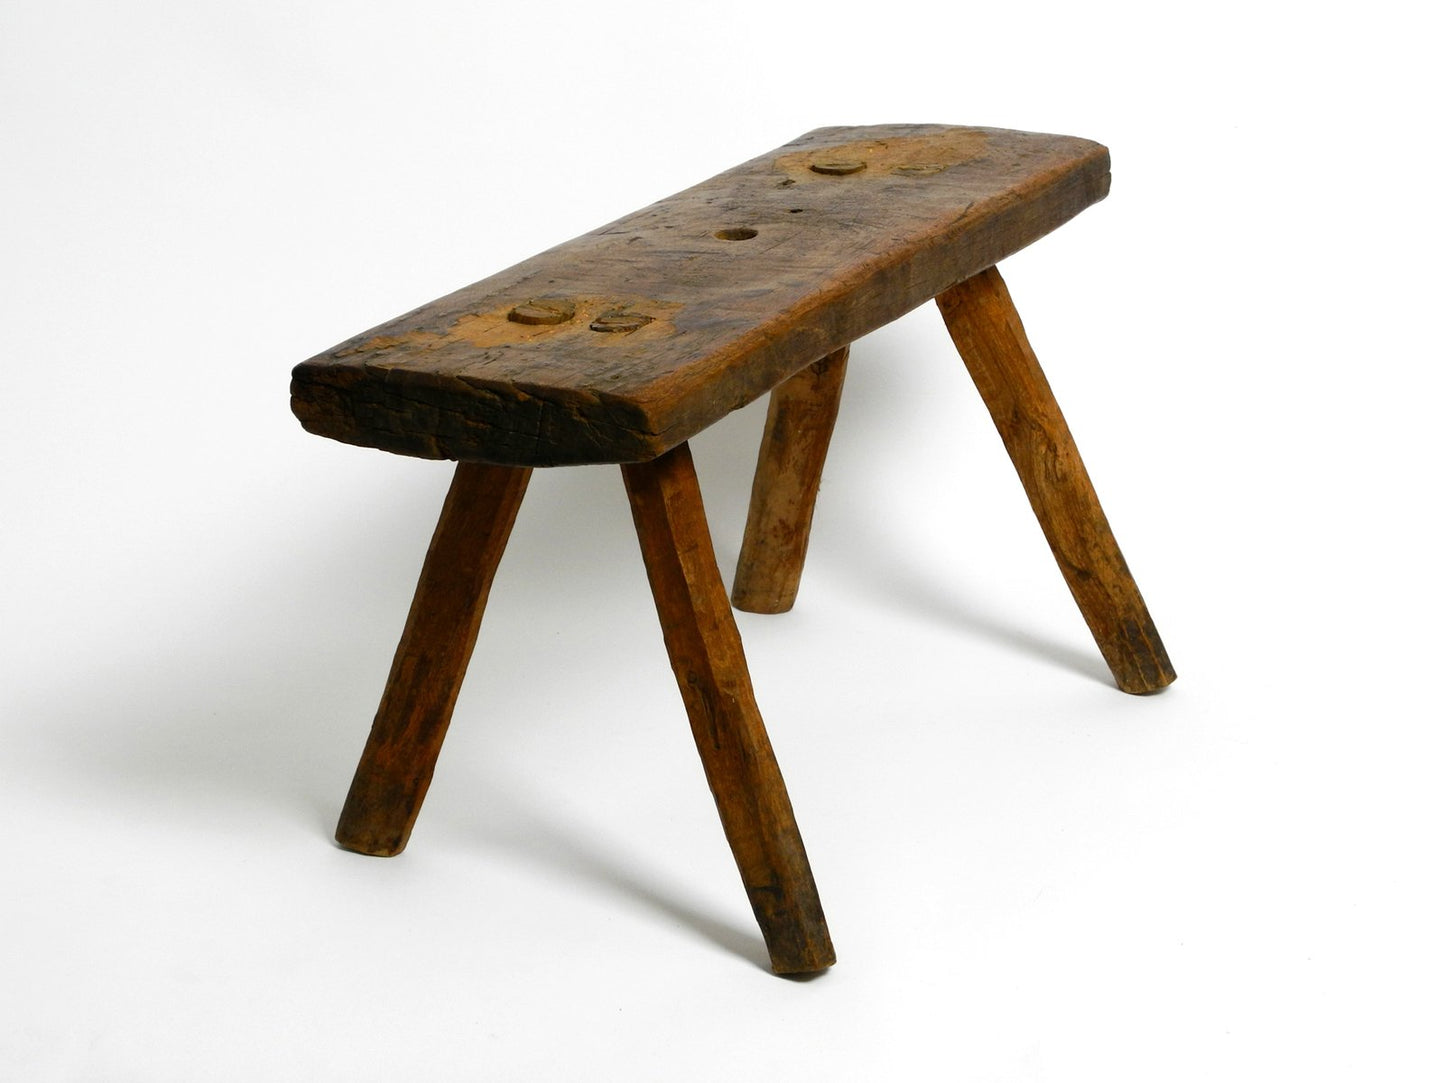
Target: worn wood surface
pixel 624 342
pixel 990 338
pixel 426 675
pixel 801 414
pixel 707 658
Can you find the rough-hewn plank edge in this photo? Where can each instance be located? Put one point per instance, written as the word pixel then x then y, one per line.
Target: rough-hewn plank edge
pixel 474 421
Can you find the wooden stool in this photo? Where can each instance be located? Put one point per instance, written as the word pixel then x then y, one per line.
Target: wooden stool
pixel 618 346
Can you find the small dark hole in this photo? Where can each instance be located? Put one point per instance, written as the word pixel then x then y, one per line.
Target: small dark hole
pixel 796 210
pixel 736 233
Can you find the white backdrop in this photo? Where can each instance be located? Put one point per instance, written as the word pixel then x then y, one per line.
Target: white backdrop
pixel 1028 874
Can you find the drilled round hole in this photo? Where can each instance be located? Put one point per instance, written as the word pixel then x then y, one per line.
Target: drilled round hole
pixel 736 233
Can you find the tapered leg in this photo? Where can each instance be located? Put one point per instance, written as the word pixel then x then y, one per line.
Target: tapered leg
pixel 426 675
pixel 990 338
pixel 801 414
pixel 707 657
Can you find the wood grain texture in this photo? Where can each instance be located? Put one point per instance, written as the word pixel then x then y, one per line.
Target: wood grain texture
pixel 624 342
pixel 801 414
pixel 707 658
pixel 990 338
pixel 431 660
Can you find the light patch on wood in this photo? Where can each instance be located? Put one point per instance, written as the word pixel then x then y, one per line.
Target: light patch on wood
pixel 384 343
pixel 491 328
pixel 906 156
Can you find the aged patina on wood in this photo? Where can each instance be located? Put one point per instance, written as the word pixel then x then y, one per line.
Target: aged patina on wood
pixel 436 645
pixel 801 413
pixel 707 657
pixel 990 338
pixel 621 344
pixel 729 288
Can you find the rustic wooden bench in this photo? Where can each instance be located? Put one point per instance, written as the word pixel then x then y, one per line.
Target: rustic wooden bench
pixel 620 345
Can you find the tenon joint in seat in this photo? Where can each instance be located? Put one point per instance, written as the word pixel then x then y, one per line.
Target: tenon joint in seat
pixel 620 345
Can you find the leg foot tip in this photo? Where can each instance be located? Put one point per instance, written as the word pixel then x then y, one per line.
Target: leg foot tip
pixel 751 605
pixel 810 961
pixel 1137 685
pixel 803 973
pixel 368 844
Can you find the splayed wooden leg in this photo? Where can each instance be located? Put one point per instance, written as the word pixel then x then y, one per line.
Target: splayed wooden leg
pixel 801 414
pixel 990 338
pixel 707 658
pixel 426 675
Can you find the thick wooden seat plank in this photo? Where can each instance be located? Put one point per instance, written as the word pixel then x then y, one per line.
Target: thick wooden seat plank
pixel 622 343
